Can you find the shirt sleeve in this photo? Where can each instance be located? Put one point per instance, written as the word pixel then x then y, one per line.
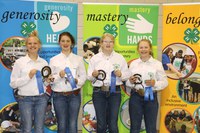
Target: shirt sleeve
pixel 165 59
pixel 125 71
pixel 91 66
pixel 128 83
pixel 81 73
pixel 161 78
pixel 15 79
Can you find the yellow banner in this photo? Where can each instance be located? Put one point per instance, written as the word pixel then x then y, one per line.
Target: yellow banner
pixel 180 57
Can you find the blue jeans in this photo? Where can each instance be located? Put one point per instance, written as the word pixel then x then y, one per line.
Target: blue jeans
pixel 67 110
pixel 106 106
pixel 186 94
pixel 139 108
pixel 180 92
pixel 32 109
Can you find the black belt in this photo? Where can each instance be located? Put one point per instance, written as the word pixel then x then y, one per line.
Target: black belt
pixel 75 92
pixel 106 88
pixel 140 91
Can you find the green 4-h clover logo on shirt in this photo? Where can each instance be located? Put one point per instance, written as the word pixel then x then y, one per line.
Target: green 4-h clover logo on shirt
pixel 27 28
pixel 151 75
pixel 116 66
pixel 191 35
pixel 112 29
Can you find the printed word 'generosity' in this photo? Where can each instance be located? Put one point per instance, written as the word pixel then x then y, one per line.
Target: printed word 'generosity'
pixel 8 15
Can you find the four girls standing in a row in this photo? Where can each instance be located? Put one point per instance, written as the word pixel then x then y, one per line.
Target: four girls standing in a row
pixel 107 71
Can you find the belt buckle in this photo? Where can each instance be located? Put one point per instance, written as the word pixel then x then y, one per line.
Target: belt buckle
pixel 65 93
pixel 76 92
pixel 140 92
pixel 105 88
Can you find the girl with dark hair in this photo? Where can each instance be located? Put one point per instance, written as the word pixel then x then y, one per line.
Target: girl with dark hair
pixel 69 75
pixel 166 62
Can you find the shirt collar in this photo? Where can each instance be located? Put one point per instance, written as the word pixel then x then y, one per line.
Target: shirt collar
pixel 150 60
pixel 68 56
pixel 103 55
pixel 28 59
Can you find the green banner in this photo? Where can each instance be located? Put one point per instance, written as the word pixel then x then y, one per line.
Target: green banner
pixel 129 24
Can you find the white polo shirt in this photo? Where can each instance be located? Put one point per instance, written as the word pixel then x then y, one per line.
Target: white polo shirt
pixel 20 75
pixel 151 69
pixel 108 63
pixel 76 66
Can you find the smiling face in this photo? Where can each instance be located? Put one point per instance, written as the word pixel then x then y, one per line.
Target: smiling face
pixel 107 43
pixel 170 53
pixel 179 54
pixel 144 49
pixel 33 45
pixel 65 43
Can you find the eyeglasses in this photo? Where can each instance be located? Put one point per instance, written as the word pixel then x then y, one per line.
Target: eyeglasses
pixel 110 42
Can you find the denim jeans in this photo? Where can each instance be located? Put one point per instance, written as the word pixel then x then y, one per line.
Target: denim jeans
pixel 67 110
pixel 186 94
pixel 180 92
pixel 139 108
pixel 32 109
pixel 106 106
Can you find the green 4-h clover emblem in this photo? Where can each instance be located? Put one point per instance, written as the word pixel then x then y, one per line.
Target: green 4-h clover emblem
pixel 191 35
pixel 151 75
pixel 111 29
pixel 116 66
pixel 27 28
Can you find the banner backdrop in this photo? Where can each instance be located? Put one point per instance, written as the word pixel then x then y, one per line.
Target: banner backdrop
pixel 111 18
pixel 181 45
pixel 17 20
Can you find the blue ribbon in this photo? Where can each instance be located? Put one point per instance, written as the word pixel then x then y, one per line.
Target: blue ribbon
pixel 148 94
pixel 113 82
pixel 39 82
pixel 70 78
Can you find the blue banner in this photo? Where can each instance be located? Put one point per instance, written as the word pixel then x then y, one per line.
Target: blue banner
pixel 17 20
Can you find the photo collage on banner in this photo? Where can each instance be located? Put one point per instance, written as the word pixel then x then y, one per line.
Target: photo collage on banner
pixel 112 18
pixel 180 101
pixel 16 23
